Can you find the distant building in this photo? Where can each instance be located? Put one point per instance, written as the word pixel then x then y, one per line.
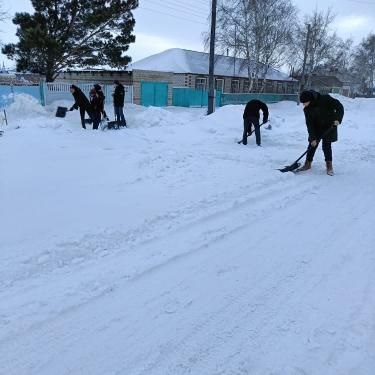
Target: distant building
pixel 184 68
pixel 328 80
pixel 12 77
pixel 326 84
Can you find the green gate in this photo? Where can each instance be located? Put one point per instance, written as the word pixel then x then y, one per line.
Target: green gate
pixel 154 94
pixel 243 98
pixel 187 97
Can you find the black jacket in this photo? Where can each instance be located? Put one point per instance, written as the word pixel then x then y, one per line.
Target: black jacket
pixel 101 95
pixel 80 100
pixel 119 96
pixel 101 100
pixel 320 115
pixel 253 107
pixel 97 104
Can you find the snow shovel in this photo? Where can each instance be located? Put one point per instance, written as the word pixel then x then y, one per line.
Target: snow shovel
pixel 252 131
pixel 61 111
pixel 292 167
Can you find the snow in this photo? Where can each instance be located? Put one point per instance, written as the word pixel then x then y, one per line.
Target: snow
pixel 167 248
pixel 184 61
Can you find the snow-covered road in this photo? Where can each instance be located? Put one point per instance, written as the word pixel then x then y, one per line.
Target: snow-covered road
pixel 167 248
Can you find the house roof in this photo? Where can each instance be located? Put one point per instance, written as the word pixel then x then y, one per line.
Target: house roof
pixel 324 80
pixel 184 61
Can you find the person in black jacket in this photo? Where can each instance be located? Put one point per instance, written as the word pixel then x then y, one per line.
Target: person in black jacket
pixel 101 95
pixel 81 102
pixel 96 101
pixel 118 103
pixel 322 113
pixel 251 117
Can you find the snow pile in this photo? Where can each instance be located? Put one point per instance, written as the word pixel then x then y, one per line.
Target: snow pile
pixel 155 116
pixel 25 105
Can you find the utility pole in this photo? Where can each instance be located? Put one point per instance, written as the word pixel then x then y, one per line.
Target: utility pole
pixel 303 77
pixel 211 87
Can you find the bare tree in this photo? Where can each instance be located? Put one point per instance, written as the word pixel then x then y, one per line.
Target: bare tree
pixel 322 42
pixel 342 57
pixel 258 31
pixel 364 63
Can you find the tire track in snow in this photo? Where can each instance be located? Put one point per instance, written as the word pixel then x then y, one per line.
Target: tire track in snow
pixel 203 242
pixel 196 347
pixel 108 243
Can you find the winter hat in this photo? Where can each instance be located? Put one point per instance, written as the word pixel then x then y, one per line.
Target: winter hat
pixel 306 96
pixel 97 87
pixel 116 82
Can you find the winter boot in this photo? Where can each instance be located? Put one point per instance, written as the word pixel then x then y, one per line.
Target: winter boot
pixel 329 168
pixel 305 167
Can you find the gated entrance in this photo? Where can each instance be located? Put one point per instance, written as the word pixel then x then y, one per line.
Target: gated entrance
pixel 154 94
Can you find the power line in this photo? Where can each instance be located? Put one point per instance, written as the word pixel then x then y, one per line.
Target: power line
pixel 188 6
pixel 172 15
pixel 175 7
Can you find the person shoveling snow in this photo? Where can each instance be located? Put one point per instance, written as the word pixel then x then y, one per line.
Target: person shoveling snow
pixel 251 118
pixel 323 114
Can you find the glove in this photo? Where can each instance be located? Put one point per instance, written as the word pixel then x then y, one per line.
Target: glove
pixel 265 121
pixel 336 123
pixel 71 109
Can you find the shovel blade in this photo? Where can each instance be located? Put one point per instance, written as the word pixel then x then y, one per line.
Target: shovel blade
pixel 61 112
pixel 290 168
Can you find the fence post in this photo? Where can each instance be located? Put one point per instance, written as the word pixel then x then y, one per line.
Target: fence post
pixel 42 92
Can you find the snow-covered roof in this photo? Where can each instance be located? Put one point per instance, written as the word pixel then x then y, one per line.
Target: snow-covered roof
pixel 184 61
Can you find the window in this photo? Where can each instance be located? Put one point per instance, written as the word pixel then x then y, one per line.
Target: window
pixel 200 83
pixel 280 88
pixel 235 86
pixel 219 84
pixel 246 86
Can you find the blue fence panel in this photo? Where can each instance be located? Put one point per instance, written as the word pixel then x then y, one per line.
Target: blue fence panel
pixel 154 94
pixel 187 97
pixel 7 93
pixel 267 98
pixel 161 94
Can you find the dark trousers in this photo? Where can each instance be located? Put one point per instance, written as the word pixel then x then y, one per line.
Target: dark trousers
pixel 119 115
pixel 82 112
pixel 247 122
pixel 96 120
pixel 327 149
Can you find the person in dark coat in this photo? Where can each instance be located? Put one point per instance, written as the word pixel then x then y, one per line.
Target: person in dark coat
pixel 251 117
pixel 322 112
pixel 81 102
pixel 100 92
pixel 118 103
pixel 96 101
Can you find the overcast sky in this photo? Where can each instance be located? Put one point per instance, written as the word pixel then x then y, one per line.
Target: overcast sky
pixel 163 24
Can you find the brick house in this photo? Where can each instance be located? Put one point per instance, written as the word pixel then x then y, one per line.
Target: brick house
pixel 184 68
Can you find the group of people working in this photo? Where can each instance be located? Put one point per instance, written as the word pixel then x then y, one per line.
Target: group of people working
pixel 323 114
pixel 94 105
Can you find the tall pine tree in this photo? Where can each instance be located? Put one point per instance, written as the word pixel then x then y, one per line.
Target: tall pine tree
pixel 72 33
